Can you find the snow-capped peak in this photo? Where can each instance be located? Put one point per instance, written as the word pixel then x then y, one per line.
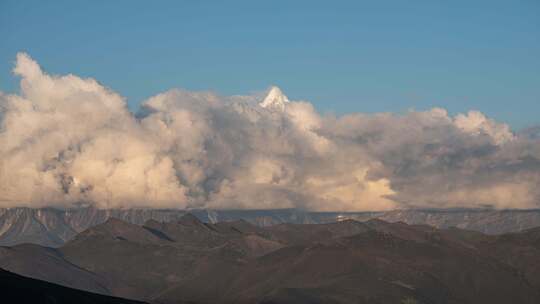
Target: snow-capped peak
pixel 274 99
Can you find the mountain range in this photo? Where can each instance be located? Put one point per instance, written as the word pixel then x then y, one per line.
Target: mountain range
pixel 53 227
pixel 187 260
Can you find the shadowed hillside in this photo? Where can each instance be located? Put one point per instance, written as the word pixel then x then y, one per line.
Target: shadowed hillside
pixel 19 289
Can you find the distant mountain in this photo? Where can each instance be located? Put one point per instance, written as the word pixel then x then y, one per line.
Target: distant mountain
pixel 53 227
pixel 19 289
pixel 385 263
pixel 138 261
pixel 275 99
pixel 487 221
pixel 190 261
pixel 141 261
pixel 446 266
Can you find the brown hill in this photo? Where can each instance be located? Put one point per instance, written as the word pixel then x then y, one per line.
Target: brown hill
pixel 342 262
pixel 369 267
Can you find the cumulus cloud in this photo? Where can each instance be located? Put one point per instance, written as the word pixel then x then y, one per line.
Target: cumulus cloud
pixel 67 141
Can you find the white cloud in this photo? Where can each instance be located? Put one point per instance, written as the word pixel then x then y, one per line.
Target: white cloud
pixel 65 141
pixel 477 123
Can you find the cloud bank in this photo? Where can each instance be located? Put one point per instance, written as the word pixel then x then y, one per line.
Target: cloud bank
pixel 67 141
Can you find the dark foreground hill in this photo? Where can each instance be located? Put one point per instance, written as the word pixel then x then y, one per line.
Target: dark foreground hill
pixel 19 289
pixel 190 261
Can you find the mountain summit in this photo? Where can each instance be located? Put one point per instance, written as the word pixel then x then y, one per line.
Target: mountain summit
pixel 274 99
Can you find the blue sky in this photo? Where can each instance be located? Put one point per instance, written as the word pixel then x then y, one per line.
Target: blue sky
pixel 343 56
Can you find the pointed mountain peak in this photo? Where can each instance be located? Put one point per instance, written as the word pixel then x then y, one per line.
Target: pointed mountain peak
pixel 152 223
pixel 189 219
pixel 376 222
pixel 115 222
pixel 274 99
pixel 114 226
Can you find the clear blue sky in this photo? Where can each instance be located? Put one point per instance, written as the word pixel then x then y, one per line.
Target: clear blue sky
pixel 344 56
